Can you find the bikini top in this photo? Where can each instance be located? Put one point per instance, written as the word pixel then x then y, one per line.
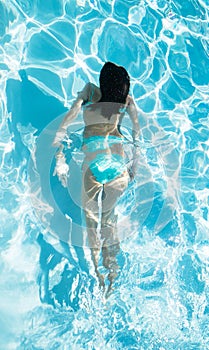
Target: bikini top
pixel 91 94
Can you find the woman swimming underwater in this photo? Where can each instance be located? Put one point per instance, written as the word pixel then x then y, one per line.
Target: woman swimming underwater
pixel 105 175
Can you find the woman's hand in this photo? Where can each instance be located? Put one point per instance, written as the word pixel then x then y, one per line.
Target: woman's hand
pixel 132 173
pixel 61 167
pixel 136 160
pixel 59 137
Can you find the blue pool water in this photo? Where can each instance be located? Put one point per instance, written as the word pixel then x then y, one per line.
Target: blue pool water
pixel 50 297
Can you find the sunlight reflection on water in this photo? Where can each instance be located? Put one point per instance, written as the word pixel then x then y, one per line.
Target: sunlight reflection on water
pixel 50 297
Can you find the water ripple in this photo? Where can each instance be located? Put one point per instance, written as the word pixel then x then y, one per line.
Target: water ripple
pixel 50 297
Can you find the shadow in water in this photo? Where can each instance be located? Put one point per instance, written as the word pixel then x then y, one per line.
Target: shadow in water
pixel 64 275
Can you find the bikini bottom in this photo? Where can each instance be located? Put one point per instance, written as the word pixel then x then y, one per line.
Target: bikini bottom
pixel 106 168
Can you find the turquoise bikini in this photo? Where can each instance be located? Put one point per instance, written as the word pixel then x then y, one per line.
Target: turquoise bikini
pixel 105 167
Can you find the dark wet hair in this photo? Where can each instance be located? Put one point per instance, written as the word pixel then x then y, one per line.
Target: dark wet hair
pixel 114 85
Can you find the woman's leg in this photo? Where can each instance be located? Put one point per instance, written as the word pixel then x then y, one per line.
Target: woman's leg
pixel 110 245
pixel 90 192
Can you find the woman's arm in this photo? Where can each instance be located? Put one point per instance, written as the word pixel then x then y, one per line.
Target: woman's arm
pixel 133 114
pixel 90 93
pixel 82 98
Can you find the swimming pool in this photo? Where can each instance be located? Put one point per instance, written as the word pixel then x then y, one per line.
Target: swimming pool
pixel 49 295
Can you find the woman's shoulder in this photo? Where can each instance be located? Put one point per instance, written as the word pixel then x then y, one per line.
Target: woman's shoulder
pixel 129 100
pixel 94 92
